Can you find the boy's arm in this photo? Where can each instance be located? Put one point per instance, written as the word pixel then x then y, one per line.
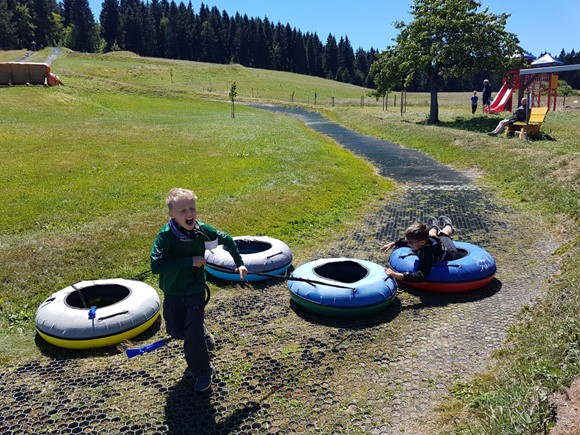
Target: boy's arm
pixel 401 243
pixel 231 246
pixel 425 264
pixel 223 239
pixel 160 259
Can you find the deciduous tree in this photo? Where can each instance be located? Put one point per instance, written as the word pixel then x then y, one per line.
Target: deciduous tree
pixel 446 39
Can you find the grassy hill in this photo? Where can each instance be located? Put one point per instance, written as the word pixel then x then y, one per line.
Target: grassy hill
pixel 166 76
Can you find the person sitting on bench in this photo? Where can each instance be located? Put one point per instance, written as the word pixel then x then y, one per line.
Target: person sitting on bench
pixel 519 115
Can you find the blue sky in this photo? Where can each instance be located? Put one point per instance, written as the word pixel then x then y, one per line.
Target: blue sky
pixel 541 26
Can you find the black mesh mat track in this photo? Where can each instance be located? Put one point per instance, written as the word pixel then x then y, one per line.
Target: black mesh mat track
pixel 404 165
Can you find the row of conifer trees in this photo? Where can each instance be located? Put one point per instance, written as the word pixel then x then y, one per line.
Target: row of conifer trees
pixel 167 29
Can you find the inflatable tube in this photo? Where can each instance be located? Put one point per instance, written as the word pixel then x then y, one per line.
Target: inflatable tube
pixel 355 287
pixel 260 254
pixel 475 270
pixel 92 314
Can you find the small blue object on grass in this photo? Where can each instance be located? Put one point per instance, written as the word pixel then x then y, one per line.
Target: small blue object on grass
pixel 146 348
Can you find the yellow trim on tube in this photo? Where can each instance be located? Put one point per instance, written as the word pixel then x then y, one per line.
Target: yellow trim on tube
pixel 102 341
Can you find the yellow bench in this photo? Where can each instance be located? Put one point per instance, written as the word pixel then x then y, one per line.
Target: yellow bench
pixel 537 117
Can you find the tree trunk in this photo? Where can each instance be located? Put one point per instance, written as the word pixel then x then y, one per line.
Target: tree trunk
pixel 434 108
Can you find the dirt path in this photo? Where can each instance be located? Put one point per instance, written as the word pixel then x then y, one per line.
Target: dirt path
pixel 32 55
pixel 282 370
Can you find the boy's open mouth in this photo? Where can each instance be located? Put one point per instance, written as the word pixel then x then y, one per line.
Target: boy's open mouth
pixel 190 222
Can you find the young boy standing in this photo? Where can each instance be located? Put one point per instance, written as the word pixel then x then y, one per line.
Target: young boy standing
pixel 474 99
pixel 431 243
pixel 178 258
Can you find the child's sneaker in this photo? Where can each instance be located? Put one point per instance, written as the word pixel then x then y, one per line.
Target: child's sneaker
pixel 203 380
pixel 444 221
pixel 432 222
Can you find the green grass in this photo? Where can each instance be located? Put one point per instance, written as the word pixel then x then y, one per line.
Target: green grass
pixel 541 356
pixel 84 169
pixel 126 71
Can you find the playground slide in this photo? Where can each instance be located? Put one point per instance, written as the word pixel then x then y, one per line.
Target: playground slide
pixel 500 100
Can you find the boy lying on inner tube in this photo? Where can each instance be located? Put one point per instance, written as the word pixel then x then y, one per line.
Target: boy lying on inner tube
pixel 431 243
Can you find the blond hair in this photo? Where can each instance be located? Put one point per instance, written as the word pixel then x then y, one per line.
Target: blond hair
pixel 177 193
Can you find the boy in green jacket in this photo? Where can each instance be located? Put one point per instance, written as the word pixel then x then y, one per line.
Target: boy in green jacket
pixel 178 258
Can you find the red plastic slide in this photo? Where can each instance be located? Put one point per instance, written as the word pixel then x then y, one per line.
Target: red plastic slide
pixel 500 100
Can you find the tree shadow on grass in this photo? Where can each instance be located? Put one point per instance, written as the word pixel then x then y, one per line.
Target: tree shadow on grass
pixel 475 124
pixel 479 124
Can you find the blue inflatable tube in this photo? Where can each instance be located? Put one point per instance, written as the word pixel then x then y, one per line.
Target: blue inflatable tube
pixel 475 270
pixel 345 287
pixel 260 254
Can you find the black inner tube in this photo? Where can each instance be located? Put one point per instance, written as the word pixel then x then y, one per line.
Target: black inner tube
pixel 252 246
pixel 97 295
pixel 344 271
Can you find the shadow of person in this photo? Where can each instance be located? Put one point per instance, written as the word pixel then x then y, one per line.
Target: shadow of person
pixel 440 299
pixel 187 412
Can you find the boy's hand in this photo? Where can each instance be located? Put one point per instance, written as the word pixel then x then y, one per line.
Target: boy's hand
pixel 198 261
pixel 243 271
pixel 387 247
pixel 393 274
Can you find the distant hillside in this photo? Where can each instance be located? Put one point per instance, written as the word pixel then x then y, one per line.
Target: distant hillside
pixel 165 76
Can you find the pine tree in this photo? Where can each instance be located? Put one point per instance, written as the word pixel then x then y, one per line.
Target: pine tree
pixel 330 59
pixel 233 42
pixel 131 26
pixel 109 20
pixel 150 43
pixel 315 51
pixel 7 30
pixel 23 26
pixel 42 19
pixel 84 36
pixel 346 58
pixel 156 12
pixel 362 66
pixel 299 53
pixel 245 42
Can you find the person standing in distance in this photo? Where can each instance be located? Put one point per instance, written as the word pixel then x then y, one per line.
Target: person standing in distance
pixel 486 96
pixel 474 99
